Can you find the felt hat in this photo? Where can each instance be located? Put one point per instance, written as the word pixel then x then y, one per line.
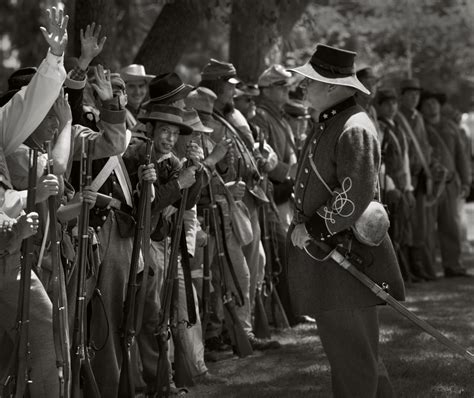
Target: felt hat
pixel 202 99
pixel 385 94
pixel 167 88
pixel 191 118
pixel 332 65
pixel 135 72
pixel 219 70
pixel 410 84
pixel 167 114
pixel 275 75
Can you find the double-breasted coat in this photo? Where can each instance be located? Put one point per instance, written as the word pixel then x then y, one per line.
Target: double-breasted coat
pixel 345 151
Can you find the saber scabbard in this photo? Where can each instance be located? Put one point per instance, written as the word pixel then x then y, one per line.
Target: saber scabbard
pixel 345 263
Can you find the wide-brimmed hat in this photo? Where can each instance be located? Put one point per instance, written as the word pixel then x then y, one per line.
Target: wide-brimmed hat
pixel 191 118
pixel 166 89
pixel 135 72
pixel 385 94
pixel 275 75
pixel 332 65
pixel 167 114
pixel 410 84
pixel 219 70
pixel 202 99
pixel 296 109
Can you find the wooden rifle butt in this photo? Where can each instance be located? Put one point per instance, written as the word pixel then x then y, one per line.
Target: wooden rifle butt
pixel 261 326
pixel 162 385
pixel 240 339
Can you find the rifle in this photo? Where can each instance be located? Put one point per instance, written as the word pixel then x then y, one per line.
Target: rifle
pixel 240 338
pixel 206 277
pixel 60 319
pixel 273 265
pixel 343 258
pixel 129 327
pixel 163 368
pixel 80 359
pixel 16 381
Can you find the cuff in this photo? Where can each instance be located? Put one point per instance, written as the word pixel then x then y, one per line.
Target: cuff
pixel 112 117
pixel 54 59
pixel 112 104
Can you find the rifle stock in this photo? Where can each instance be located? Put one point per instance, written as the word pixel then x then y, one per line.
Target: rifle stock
pixel 128 329
pixel 17 378
pixel 163 368
pixel 81 370
pixel 60 322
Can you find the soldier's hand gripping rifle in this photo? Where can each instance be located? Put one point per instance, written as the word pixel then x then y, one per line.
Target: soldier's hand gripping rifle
pixel 81 371
pixel 129 326
pixel 163 369
pixel 344 259
pixel 60 319
pixel 16 381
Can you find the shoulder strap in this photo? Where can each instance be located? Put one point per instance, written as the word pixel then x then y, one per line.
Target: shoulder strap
pixel 100 178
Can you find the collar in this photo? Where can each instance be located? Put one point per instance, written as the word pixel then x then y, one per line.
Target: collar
pixel 336 109
pixel 267 103
pixel 164 157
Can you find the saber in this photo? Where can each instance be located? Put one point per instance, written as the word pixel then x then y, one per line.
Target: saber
pixel 344 262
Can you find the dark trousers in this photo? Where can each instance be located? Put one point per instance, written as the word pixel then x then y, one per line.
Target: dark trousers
pixel 350 339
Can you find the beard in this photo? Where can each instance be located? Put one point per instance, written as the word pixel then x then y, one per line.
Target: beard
pixel 228 108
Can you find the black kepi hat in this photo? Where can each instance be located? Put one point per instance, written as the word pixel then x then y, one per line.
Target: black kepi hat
pixel 332 65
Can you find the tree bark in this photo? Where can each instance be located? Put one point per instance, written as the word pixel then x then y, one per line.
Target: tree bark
pixel 102 12
pixel 257 31
pixel 169 36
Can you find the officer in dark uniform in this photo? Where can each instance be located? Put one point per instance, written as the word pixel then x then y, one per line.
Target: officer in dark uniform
pixel 336 181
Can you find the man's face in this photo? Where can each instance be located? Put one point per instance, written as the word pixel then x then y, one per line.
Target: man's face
pixel 388 109
pixel 226 95
pixel 246 105
pixel 278 94
pixel 47 128
pixel 164 137
pixel 431 109
pixel 136 92
pixel 315 92
pixel 410 98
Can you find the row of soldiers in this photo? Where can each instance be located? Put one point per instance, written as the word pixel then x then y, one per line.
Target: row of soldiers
pixel 214 168
pixel 78 150
pixel 425 175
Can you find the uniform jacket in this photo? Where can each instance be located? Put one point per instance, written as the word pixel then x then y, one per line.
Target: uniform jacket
pixel 346 153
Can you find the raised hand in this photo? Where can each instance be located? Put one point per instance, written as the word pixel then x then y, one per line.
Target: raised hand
pixel 102 85
pixel 56 33
pixel 91 46
pixel 62 109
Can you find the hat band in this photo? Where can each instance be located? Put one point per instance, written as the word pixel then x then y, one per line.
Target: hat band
pixel 328 70
pixel 165 117
pixel 170 94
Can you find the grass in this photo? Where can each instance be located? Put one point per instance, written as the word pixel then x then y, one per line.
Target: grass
pixel 418 365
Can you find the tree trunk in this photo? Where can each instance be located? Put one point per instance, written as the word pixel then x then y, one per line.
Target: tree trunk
pixel 257 31
pixel 169 36
pixel 102 12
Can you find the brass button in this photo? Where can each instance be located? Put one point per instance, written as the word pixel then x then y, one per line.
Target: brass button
pixel 98 229
pixel 302 185
pixel 314 141
pixel 321 127
pixel 306 171
pixel 299 200
pixel 104 218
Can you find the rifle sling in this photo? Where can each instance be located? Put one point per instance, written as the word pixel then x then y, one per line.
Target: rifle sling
pixel 188 283
pixel 229 262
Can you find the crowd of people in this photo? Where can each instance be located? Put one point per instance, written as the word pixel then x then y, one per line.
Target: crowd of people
pixel 224 159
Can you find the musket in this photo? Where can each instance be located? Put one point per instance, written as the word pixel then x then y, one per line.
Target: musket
pixel 128 328
pixel 80 360
pixel 163 368
pixel 17 380
pixel 343 260
pixel 206 276
pixel 59 301
pixel 240 338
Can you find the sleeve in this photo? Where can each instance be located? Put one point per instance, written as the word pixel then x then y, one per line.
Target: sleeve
pixel 190 224
pixel 25 111
pixel 462 161
pixel 15 202
pixel 357 160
